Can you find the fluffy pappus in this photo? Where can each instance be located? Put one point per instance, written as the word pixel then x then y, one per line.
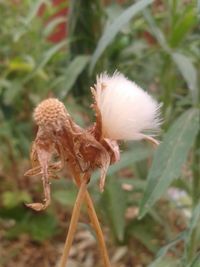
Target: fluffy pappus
pixel 127 111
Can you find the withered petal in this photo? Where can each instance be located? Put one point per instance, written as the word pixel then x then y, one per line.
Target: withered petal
pixel 36 206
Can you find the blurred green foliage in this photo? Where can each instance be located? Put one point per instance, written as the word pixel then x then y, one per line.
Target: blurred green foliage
pixel 156 44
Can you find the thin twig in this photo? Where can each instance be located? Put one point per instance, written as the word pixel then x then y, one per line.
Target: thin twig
pixel 73 223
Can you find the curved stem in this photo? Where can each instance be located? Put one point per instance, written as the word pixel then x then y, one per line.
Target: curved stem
pixel 97 227
pixel 95 223
pixel 73 223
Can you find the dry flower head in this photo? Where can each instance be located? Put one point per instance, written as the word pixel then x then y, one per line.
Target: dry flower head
pixel 123 112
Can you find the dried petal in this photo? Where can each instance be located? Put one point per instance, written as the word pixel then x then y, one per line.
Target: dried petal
pixel 37 206
pixel 97 132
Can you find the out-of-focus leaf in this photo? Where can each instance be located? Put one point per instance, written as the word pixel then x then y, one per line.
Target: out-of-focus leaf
pixel 195 262
pixel 24 66
pixel 183 62
pixel 181 28
pixel 194 222
pixel 12 199
pixel 39 226
pixel 166 262
pixel 188 72
pixel 65 197
pixel 169 157
pixel 50 27
pixel 45 59
pixel 42 227
pixel 34 8
pixel 114 203
pixel 145 232
pixel 12 92
pixel 162 252
pixel 156 31
pixel 69 76
pixel 32 13
pixel 112 30
pixel 198 7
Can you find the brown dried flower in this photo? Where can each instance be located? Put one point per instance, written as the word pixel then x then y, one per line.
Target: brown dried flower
pixel 116 99
pixel 80 150
pixel 123 112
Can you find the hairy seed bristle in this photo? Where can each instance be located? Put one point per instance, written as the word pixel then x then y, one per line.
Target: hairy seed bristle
pixel 50 112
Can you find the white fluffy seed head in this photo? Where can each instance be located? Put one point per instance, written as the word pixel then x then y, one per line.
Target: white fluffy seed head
pixel 128 112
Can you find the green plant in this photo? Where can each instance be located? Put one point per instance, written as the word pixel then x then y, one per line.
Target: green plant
pixel 158 47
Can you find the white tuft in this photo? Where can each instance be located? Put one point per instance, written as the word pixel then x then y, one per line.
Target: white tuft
pixel 128 112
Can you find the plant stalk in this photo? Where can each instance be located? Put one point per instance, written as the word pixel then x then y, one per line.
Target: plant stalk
pixel 73 223
pixel 95 223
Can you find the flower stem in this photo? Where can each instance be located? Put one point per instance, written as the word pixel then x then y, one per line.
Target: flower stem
pixel 73 223
pixel 97 227
pixel 95 223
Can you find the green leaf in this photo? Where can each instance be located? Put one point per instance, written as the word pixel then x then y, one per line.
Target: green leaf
pixel 195 262
pixel 188 72
pixel 166 262
pixel 32 13
pixel 72 72
pixel 194 222
pixel 169 157
pixel 65 197
pixel 163 251
pixel 114 202
pixel 186 22
pixel 42 227
pixel 144 231
pixel 27 21
pixel 46 57
pixel 12 199
pixel 39 226
pixel 51 26
pixel 160 37
pixel 198 7
pixel 112 30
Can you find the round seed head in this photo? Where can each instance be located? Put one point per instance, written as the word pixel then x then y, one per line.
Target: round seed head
pixel 50 112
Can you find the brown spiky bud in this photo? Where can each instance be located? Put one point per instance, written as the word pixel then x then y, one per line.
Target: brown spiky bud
pixel 50 112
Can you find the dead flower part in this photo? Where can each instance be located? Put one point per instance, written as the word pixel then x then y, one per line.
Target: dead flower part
pixel 123 112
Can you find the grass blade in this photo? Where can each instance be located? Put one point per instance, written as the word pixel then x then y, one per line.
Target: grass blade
pixel 71 74
pixel 114 202
pixel 188 72
pixel 112 30
pixel 194 222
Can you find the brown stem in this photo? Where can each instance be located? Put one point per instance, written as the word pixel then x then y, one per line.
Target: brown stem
pixel 73 223
pixel 95 222
pixel 97 227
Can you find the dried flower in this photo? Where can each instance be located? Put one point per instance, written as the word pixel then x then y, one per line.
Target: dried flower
pixel 123 112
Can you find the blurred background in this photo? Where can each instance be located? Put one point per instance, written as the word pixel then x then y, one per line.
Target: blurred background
pixel 56 48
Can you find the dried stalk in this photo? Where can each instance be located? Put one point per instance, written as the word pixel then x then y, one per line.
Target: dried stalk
pixel 73 223
pixel 95 223
pixel 84 150
pixel 97 227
